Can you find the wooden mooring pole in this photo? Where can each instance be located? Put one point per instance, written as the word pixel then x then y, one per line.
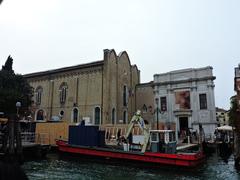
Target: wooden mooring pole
pixel 11 149
pixel 18 140
pixel 14 137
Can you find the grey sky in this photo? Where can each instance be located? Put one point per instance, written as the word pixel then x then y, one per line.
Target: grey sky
pixel 159 35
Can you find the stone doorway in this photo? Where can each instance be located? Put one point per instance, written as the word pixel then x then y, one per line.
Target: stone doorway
pixel 183 127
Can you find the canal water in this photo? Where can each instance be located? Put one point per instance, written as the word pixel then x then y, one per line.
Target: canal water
pixel 57 168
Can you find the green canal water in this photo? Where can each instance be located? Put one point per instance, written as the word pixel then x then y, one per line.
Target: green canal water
pixel 57 168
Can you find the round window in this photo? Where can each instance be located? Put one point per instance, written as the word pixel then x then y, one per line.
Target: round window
pixel 61 113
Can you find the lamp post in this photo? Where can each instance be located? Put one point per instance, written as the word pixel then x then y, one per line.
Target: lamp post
pixel 18 133
pixel 18 105
pixel 157 110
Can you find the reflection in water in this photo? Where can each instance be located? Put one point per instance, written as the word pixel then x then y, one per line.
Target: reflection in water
pixel 56 168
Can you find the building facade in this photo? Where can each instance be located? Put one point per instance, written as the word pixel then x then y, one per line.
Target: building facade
pixel 145 101
pixel 222 117
pixel 186 98
pixel 101 92
pixel 237 83
pixel 236 121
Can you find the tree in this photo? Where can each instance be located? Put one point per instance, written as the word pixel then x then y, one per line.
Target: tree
pixel 234 119
pixel 8 65
pixel 13 88
pixel 233 111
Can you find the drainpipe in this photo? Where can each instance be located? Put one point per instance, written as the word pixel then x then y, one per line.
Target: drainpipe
pixel 101 122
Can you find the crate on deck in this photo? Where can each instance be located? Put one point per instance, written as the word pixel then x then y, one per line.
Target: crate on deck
pixel 86 136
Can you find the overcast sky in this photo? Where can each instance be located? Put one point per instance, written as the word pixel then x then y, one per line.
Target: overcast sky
pixel 159 35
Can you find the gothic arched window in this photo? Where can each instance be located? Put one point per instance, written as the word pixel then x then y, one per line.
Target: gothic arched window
pixel 125 96
pixel 63 92
pixel 113 116
pixel 97 115
pixel 40 115
pixel 38 93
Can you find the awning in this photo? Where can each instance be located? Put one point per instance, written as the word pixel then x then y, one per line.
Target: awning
pixel 225 128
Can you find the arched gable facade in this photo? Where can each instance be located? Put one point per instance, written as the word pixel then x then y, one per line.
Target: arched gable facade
pixel 125 87
pixel 77 90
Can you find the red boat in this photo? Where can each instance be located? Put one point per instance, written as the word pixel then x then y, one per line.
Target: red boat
pixel 156 147
pixel 176 159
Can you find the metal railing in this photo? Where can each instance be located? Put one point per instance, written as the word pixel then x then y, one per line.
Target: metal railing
pixel 39 138
pixel 31 137
pixel 28 137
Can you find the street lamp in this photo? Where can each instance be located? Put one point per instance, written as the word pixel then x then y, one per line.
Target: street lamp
pixel 18 105
pixel 158 110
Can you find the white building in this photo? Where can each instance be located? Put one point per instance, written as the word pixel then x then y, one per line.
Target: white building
pixel 186 98
pixel 222 117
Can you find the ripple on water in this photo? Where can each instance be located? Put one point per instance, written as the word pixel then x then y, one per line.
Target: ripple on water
pixel 55 168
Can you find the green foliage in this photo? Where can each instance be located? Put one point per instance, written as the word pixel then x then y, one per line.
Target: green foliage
pixel 8 65
pixel 13 88
pixel 233 111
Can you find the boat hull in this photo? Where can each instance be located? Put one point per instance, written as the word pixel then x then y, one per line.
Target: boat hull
pixel 183 159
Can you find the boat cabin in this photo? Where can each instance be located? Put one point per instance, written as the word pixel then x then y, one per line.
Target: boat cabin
pixel 163 141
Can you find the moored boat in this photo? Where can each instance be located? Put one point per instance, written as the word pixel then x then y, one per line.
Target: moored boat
pixel 155 147
pixel 177 159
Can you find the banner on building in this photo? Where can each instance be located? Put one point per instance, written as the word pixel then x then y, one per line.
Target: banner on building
pixel 182 99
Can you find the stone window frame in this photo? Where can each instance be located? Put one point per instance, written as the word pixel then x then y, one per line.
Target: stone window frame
pixel 125 95
pixel 73 115
pixel 61 113
pixel 203 101
pixel 43 115
pixel 163 103
pixel 100 115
